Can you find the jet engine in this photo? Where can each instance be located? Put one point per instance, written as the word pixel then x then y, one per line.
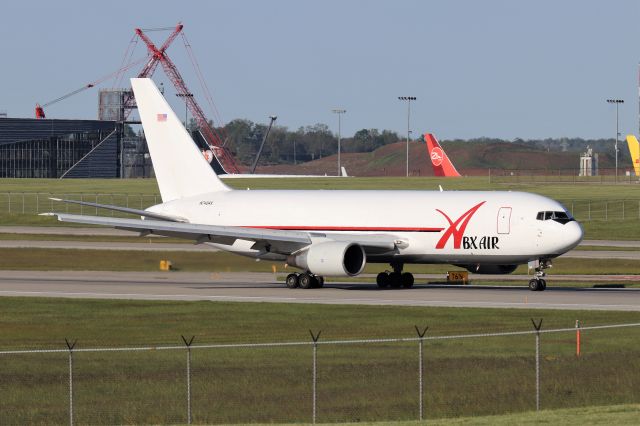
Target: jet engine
pixel 490 269
pixel 332 258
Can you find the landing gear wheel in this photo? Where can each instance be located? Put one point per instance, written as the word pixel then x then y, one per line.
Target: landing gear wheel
pixel 407 280
pixel 383 280
pixel 395 279
pixel 543 285
pixel 305 280
pixel 292 281
pixel 318 281
pixel 534 285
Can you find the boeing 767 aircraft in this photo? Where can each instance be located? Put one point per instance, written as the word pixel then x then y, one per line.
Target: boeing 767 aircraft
pixel 336 232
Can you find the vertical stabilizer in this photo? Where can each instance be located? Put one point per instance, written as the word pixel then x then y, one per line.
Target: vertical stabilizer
pixel 634 150
pixel 442 166
pixel 181 169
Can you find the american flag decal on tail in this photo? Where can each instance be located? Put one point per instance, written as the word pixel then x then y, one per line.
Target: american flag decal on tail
pixel 162 117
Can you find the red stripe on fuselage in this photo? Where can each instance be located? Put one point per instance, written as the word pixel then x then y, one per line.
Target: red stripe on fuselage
pixel 347 228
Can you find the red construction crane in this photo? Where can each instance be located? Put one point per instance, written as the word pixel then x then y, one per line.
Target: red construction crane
pixel 156 56
pixel 159 56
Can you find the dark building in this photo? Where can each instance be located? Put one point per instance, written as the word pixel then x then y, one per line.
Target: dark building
pixel 44 148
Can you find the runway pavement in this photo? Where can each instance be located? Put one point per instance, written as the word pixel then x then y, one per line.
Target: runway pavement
pixel 156 244
pixel 261 287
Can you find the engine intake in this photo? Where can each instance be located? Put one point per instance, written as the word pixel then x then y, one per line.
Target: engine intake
pixel 332 258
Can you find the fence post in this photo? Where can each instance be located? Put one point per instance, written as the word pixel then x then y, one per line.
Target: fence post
pixel 37 203
pixel 421 368
pixel 315 338
pixel 9 203
pixel 70 346
pixel 537 326
pixel 23 203
pixel 188 345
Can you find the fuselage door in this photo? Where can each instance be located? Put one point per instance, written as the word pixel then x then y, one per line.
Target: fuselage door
pixel 504 220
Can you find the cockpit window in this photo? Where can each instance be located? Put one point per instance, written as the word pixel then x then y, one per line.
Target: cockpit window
pixel 560 217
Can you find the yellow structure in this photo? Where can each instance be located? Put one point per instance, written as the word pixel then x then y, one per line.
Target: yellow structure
pixel 634 149
pixel 166 265
pixel 458 276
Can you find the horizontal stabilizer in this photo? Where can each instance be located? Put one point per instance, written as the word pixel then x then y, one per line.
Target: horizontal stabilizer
pixel 137 212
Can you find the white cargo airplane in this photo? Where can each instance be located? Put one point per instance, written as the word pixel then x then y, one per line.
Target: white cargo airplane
pixel 336 232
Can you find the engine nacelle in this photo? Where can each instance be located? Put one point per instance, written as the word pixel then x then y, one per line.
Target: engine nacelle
pixel 331 258
pixel 490 269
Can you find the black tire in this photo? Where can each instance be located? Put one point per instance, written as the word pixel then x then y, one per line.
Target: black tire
pixel 319 281
pixel 407 280
pixel 382 280
pixel 534 285
pixel 543 286
pixel 395 280
pixel 305 280
pixel 292 281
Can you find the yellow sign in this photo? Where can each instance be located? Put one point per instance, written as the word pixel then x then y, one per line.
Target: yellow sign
pixel 458 276
pixel 166 265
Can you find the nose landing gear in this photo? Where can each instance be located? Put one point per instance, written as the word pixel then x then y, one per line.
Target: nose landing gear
pixel 538 283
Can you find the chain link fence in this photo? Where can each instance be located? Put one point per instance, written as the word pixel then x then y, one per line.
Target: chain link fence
pixel 423 377
pixel 35 203
pixel 624 175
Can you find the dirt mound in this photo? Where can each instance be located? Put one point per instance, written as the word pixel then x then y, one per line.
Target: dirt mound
pixel 470 158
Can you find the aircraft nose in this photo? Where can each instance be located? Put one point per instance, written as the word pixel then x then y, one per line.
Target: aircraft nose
pixel 573 234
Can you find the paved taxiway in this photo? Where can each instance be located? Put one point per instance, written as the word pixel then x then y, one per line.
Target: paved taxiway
pixel 262 287
pixel 155 244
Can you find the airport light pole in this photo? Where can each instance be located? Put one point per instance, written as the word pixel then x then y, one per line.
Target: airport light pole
pixel 186 105
pixel 339 112
pixel 408 99
pixel 617 102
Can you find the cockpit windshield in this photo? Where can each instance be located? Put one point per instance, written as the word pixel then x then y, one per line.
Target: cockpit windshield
pixel 560 217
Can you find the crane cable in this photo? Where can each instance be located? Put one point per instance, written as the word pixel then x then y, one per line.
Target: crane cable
pixel 95 83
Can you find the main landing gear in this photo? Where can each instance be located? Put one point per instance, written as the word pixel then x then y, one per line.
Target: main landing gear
pixel 304 280
pixel 395 279
pixel 538 283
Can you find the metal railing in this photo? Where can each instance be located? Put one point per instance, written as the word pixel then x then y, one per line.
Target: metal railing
pixel 40 202
pixel 35 203
pixel 565 176
pixel 383 379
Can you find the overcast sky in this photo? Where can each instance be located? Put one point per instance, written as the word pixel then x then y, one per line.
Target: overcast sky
pixel 503 69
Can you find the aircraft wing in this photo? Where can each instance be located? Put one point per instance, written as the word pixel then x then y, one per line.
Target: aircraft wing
pixel 278 241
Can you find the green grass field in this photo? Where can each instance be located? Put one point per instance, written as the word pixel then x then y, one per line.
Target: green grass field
pixel 37 259
pixel 464 379
pixel 470 377
pixel 607 211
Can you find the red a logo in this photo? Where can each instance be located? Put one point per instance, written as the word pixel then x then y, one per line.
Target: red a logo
pixel 456 228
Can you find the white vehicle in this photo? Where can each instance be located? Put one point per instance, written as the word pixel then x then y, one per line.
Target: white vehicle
pixel 336 232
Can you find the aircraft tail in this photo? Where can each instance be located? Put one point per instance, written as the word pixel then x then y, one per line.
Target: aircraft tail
pixel 181 169
pixel 442 166
pixel 634 149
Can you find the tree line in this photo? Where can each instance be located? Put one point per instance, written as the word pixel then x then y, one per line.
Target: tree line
pixel 284 146
pixel 243 137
